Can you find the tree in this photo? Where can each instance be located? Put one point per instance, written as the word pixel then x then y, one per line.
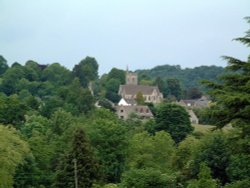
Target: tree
pixel 173 119
pixel 86 165
pixel 10 79
pixel 109 138
pixel 81 98
pixel 174 88
pixel 86 71
pixel 13 151
pixel 194 93
pixel 117 74
pixel 112 87
pixel 162 86
pixel 214 151
pixel 146 151
pixel 232 95
pixel 3 65
pixel 147 178
pixel 149 161
pixel 12 110
pixel 139 98
pixel 56 74
pixel 204 179
pixel 184 152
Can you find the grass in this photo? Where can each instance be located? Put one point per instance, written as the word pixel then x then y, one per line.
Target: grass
pixel 207 128
pixel 202 128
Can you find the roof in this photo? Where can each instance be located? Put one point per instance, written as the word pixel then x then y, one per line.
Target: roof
pixel 134 89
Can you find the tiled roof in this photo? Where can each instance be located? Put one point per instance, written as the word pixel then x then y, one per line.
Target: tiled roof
pixel 134 89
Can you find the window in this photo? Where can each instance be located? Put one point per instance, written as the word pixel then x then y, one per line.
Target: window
pixel 122 117
pixel 121 110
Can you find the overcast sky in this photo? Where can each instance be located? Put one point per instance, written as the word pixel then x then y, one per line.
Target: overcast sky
pixel 137 33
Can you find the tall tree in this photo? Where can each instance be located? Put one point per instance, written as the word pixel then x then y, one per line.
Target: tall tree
pixel 174 119
pixel 232 96
pixel 117 74
pixel 86 71
pixel 86 166
pixel 174 88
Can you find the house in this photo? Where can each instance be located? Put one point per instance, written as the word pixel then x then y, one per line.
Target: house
pixel 141 111
pixel 203 102
pixel 131 89
pixel 195 103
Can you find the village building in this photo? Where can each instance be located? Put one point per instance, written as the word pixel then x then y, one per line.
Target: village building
pixel 131 89
pixel 141 111
pixel 202 102
pixel 128 92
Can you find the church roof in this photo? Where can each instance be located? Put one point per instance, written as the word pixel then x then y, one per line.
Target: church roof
pixel 134 89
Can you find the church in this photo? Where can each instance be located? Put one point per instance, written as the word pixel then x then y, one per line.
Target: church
pixel 130 90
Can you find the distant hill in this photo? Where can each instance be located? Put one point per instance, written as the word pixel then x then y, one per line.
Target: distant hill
pixel 189 77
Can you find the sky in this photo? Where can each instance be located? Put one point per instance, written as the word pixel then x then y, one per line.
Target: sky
pixel 140 34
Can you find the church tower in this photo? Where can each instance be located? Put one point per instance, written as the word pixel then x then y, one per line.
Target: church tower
pixel 131 78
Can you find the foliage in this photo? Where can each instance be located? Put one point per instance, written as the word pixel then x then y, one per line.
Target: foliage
pixel 174 88
pixel 13 151
pixel 3 65
pixel 174 119
pixel 184 152
pixel 188 77
pixel 12 110
pixel 86 71
pixel 87 168
pixel 150 151
pixel 214 151
pixel 204 179
pixel 147 178
pixel 232 96
pixel 239 184
pixel 109 138
pixel 139 98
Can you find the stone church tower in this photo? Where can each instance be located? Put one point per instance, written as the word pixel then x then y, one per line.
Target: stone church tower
pixel 131 78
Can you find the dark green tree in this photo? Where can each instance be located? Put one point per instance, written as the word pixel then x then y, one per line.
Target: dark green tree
pixel 174 88
pixel 12 110
pixel 109 138
pixel 214 151
pixel 86 71
pixel 86 165
pixel 193 93
pixel 161 85
pixel 232 95
pixel 56 74
pixel 204 179
pixel 3 65
pixel 117 74
pixel 174 119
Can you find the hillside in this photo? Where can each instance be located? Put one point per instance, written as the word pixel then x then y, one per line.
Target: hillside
pixel 188 77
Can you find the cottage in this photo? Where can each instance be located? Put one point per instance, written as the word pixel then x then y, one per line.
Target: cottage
pixel 141 111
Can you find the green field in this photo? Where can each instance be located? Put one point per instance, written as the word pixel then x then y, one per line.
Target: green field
pixel 202 128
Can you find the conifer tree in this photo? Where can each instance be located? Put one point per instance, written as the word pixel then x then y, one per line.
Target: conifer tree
pixel 86 166
pixel 233 95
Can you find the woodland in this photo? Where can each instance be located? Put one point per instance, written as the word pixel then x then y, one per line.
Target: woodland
pixel 52 135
